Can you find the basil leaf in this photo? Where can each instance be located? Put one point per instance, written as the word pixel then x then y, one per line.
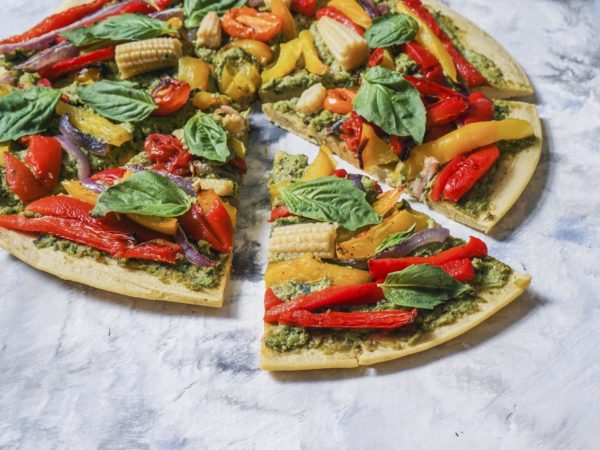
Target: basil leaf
pixel 395 239
pixel 330 199
pixel 121 101
pixel 26 111
pixel 391 29
pixel 392 103
pixel 146 193
pixel 422 286
pixel 123 28
pixel 195 10
pixel 206 138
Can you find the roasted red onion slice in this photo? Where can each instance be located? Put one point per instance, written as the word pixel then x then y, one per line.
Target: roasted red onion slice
pixel 49 56
pixel 84 168
pixel 191 254
pixel 371 8
pixel 168 14
pixel 356 181
pixel 92 185
pixel 80 138
pixel 417 240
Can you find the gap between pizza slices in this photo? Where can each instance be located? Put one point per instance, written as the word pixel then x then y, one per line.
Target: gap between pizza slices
pixel 124 129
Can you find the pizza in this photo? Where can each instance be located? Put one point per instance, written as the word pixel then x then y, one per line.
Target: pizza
pixel 124 130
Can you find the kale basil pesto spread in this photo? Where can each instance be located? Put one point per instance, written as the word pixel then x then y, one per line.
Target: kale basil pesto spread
pixel 182 272
pixel 317 122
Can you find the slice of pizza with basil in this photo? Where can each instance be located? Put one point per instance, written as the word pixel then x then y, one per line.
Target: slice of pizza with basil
pixel 357 277
pixel 422 108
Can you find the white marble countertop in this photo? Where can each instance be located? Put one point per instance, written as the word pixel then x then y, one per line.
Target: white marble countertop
pixel 80 368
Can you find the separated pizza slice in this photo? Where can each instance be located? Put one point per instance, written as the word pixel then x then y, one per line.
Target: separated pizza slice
pixel 357 277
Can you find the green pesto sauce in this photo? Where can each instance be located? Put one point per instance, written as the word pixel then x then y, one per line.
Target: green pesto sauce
pixel 490 273
pixel 501 110
pixel 193 277
pixel 318 122
pixel 208 55
pixel 405 65
pixel 9 203
pixel 288 168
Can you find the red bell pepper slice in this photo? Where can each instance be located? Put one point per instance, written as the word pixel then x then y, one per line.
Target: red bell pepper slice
pixel 57 21
pixel 44 157
pixel 460 269
pixel 109 177
pixel 466 70
pixel 279 213
pixel 481 109
pixel 445 111
pixel 381 268
pixel 340 17
pixel 307 8
pixel 428 64
pixel 333 319
pixel 78 62
pixel 376 57
pixel 352 131
pixel 167 153
pixel 20 180
pixel 271 300
pixel 355 294
pixel 463 173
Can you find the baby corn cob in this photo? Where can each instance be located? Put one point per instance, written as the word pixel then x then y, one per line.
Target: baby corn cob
pixel 292 241
pixel 311 100
pixel 209 32
pixel 221 187
pixel 348 48
pixel 139 57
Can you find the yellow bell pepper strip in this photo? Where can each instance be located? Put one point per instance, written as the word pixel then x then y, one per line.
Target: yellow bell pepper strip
pixel 207 100
pixel 322 166
pixel 261 51
pixel 279 8
pixel 308 269
pixel 365 244
pixel 96 125
pixel 160 224
pixel 289 52
pixel 374 151
pixel 386 201
pixel 353 10
pixel 5 89
pixel 312 62
pixel 3 148
pixel 194 72
pixel 463 140
pixel 427 38
pixel 238 147
pixel 239 81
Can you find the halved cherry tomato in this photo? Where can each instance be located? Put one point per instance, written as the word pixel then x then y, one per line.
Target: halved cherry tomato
pixel 339 100
pixel 170 95
pixel 167 153
pixel 248 23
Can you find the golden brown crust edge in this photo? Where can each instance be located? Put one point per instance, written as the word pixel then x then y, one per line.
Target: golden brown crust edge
pixel 388 350
pixel 108 275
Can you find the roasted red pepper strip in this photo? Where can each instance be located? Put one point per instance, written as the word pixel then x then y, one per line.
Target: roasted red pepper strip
pixel 355 294
pixel 469 171
pixel 466 70
pixel 240 164
pixel 131 7
pixel 380 268
pixel 352 131
pixel 399 144
pixel 340 17
pixel 279 213
pixel 305 7
pixel 376 58
pixel 481 109
pixel 20 180
pixel 460 269
pixel 163 4
pixel 195 227
pixel 217 218
pixel 445 111
pixel 109 177
pixel 428 64
pixel 372 319
pixel 431 89
pixel 159 250
pixel 340 173
pixel 271 299
pixel 44 155
pixel 78 62
pixel 442 178
pixel 58 20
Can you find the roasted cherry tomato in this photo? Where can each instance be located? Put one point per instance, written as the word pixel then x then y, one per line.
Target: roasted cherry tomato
pixel 305 7
pixel 248 23
pixel 352 131
pixel 339 100
pixel 170 95
pixel 167 153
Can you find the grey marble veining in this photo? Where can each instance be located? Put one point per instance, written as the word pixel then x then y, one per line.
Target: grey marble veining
pixel 80 368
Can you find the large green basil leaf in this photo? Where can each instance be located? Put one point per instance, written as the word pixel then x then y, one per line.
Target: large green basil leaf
pixel 330 199
pixel 395 239
pixel 394 29
pixel 146 193
pixel 392 103
pixel 422 286
pixel 206 138
pixel 195 10
pixel 123 28
pixel 26 111
pixel 121 101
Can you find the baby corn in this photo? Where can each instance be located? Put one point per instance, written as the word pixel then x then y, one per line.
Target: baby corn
pixel 291 241
pixel 139 57
pixel 348 48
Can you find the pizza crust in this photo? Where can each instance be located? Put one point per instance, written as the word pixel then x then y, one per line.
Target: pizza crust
pixel 108 275
pixel 387 350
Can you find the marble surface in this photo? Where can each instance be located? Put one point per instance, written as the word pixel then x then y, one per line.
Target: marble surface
pixel 80 368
